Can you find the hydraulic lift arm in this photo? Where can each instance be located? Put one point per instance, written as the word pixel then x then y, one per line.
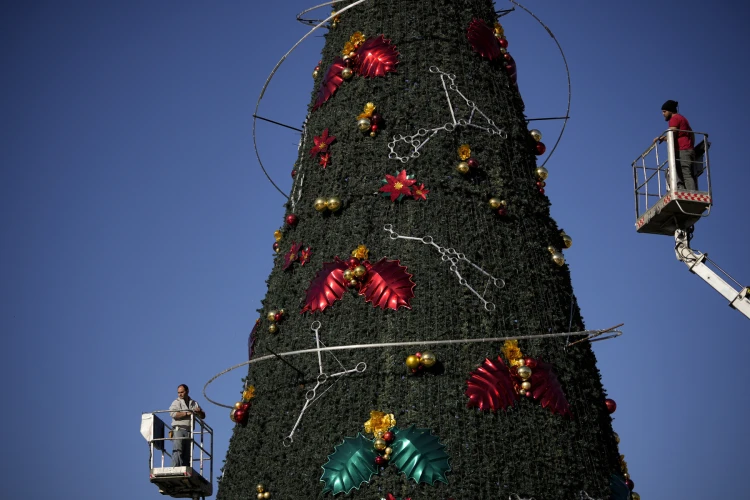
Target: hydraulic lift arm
pixel 696 262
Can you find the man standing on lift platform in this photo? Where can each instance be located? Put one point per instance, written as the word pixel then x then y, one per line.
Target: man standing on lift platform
pixel 685 146
pixel 181 409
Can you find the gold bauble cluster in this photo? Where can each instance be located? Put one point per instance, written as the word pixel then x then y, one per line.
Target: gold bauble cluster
pixel 333 204
pixel 262 493
pixel 418 361
pixel 557 256
pixel 274 317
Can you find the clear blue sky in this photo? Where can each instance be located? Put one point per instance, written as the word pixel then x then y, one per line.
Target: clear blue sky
pixel 137 226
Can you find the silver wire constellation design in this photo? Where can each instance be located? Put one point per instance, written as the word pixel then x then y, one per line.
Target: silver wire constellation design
pixel 311 396
pixel 418 140
pixel 452 256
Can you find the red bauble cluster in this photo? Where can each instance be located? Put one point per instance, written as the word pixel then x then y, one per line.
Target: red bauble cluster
pixel 611 405
pixel 354 273
pixel 291 220
pixel 239 413
pixel 382 445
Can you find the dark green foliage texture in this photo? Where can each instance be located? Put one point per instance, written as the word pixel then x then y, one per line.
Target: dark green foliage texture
pixel 527 450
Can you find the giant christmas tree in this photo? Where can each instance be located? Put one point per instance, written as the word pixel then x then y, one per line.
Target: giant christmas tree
pixel 418 214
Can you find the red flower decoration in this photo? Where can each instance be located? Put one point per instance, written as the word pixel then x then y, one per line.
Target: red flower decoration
pixel 376 57
pixel 490 387
pixel 325 159
pixel 292 255
pixel 397 185
pixel 327 287
pixel 388 285
pixel 304 256
pixel 419 192
pixel 546 387
pixel 331 82
pixel 483 41
pixel 321 143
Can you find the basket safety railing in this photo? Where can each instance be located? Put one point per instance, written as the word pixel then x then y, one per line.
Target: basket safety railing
pixel 655 170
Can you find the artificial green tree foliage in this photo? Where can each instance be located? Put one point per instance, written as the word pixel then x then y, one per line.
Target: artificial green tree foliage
pixel 526 450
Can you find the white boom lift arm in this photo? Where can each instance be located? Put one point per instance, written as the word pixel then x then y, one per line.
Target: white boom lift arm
pixel 696 262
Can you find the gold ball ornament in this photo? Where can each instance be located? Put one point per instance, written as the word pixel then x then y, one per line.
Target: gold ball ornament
pixel 388 450
pixel 617 438
pixel 353 282
pixel 315 73
pixel 412 362
pixel 463 167
pixel 231 415
pixel 535 134
pixel 524 372
pixel 359 271
pixel 272 316
pixel 380 444
pixel 260 496
pixel 541 173
pixel 526 385
pixel 558 258
pixel 635 496
pixel 428 359
pixel 363 124
pixel 567 240
pixel 320 205
pixel 260 488
pixel 348 274
pixel 373 134
pixel 237 405
pixel 266 494
pixel 551 249
pixel 273 328
pixel 346 73
pixel 495 203
pixel 333 204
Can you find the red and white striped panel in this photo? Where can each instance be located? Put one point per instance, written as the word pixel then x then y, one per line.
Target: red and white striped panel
pixel 680 195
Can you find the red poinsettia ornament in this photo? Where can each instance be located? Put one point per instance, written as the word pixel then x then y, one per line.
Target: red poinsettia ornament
pixel 493 386
pixel 292 255
pixel 385 284
pixel 331 82
pixel 304 256
pixel 483 41
pixel 375 57
pixel 321 143
pixel 398 185
pixel 419 192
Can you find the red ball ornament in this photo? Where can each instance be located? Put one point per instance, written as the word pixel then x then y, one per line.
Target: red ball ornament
pixel 376 119
pixel 294 173
pixel 473 163
pixel 611 405
pixel 352 262
pixel 528 394
pixel 276 246
pixel 541 190
pixel 503 43
pixel 502 212
pixel 510 68
pixel 507 56
pixel 239 416
pixel 541 184
pixel 277 317
pixel 530 362
pixel 540 148
pixel 629 482
pixel 388 437
pixel 244 407
pixel 380 460
pixel 418 355
pixel 292 220
pixel 373 128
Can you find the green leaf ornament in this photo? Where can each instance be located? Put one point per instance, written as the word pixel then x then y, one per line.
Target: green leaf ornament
pixel 418 454
pixel 351 464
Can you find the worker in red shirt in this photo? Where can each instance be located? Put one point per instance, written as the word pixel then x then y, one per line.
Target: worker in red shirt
pixel 685 154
